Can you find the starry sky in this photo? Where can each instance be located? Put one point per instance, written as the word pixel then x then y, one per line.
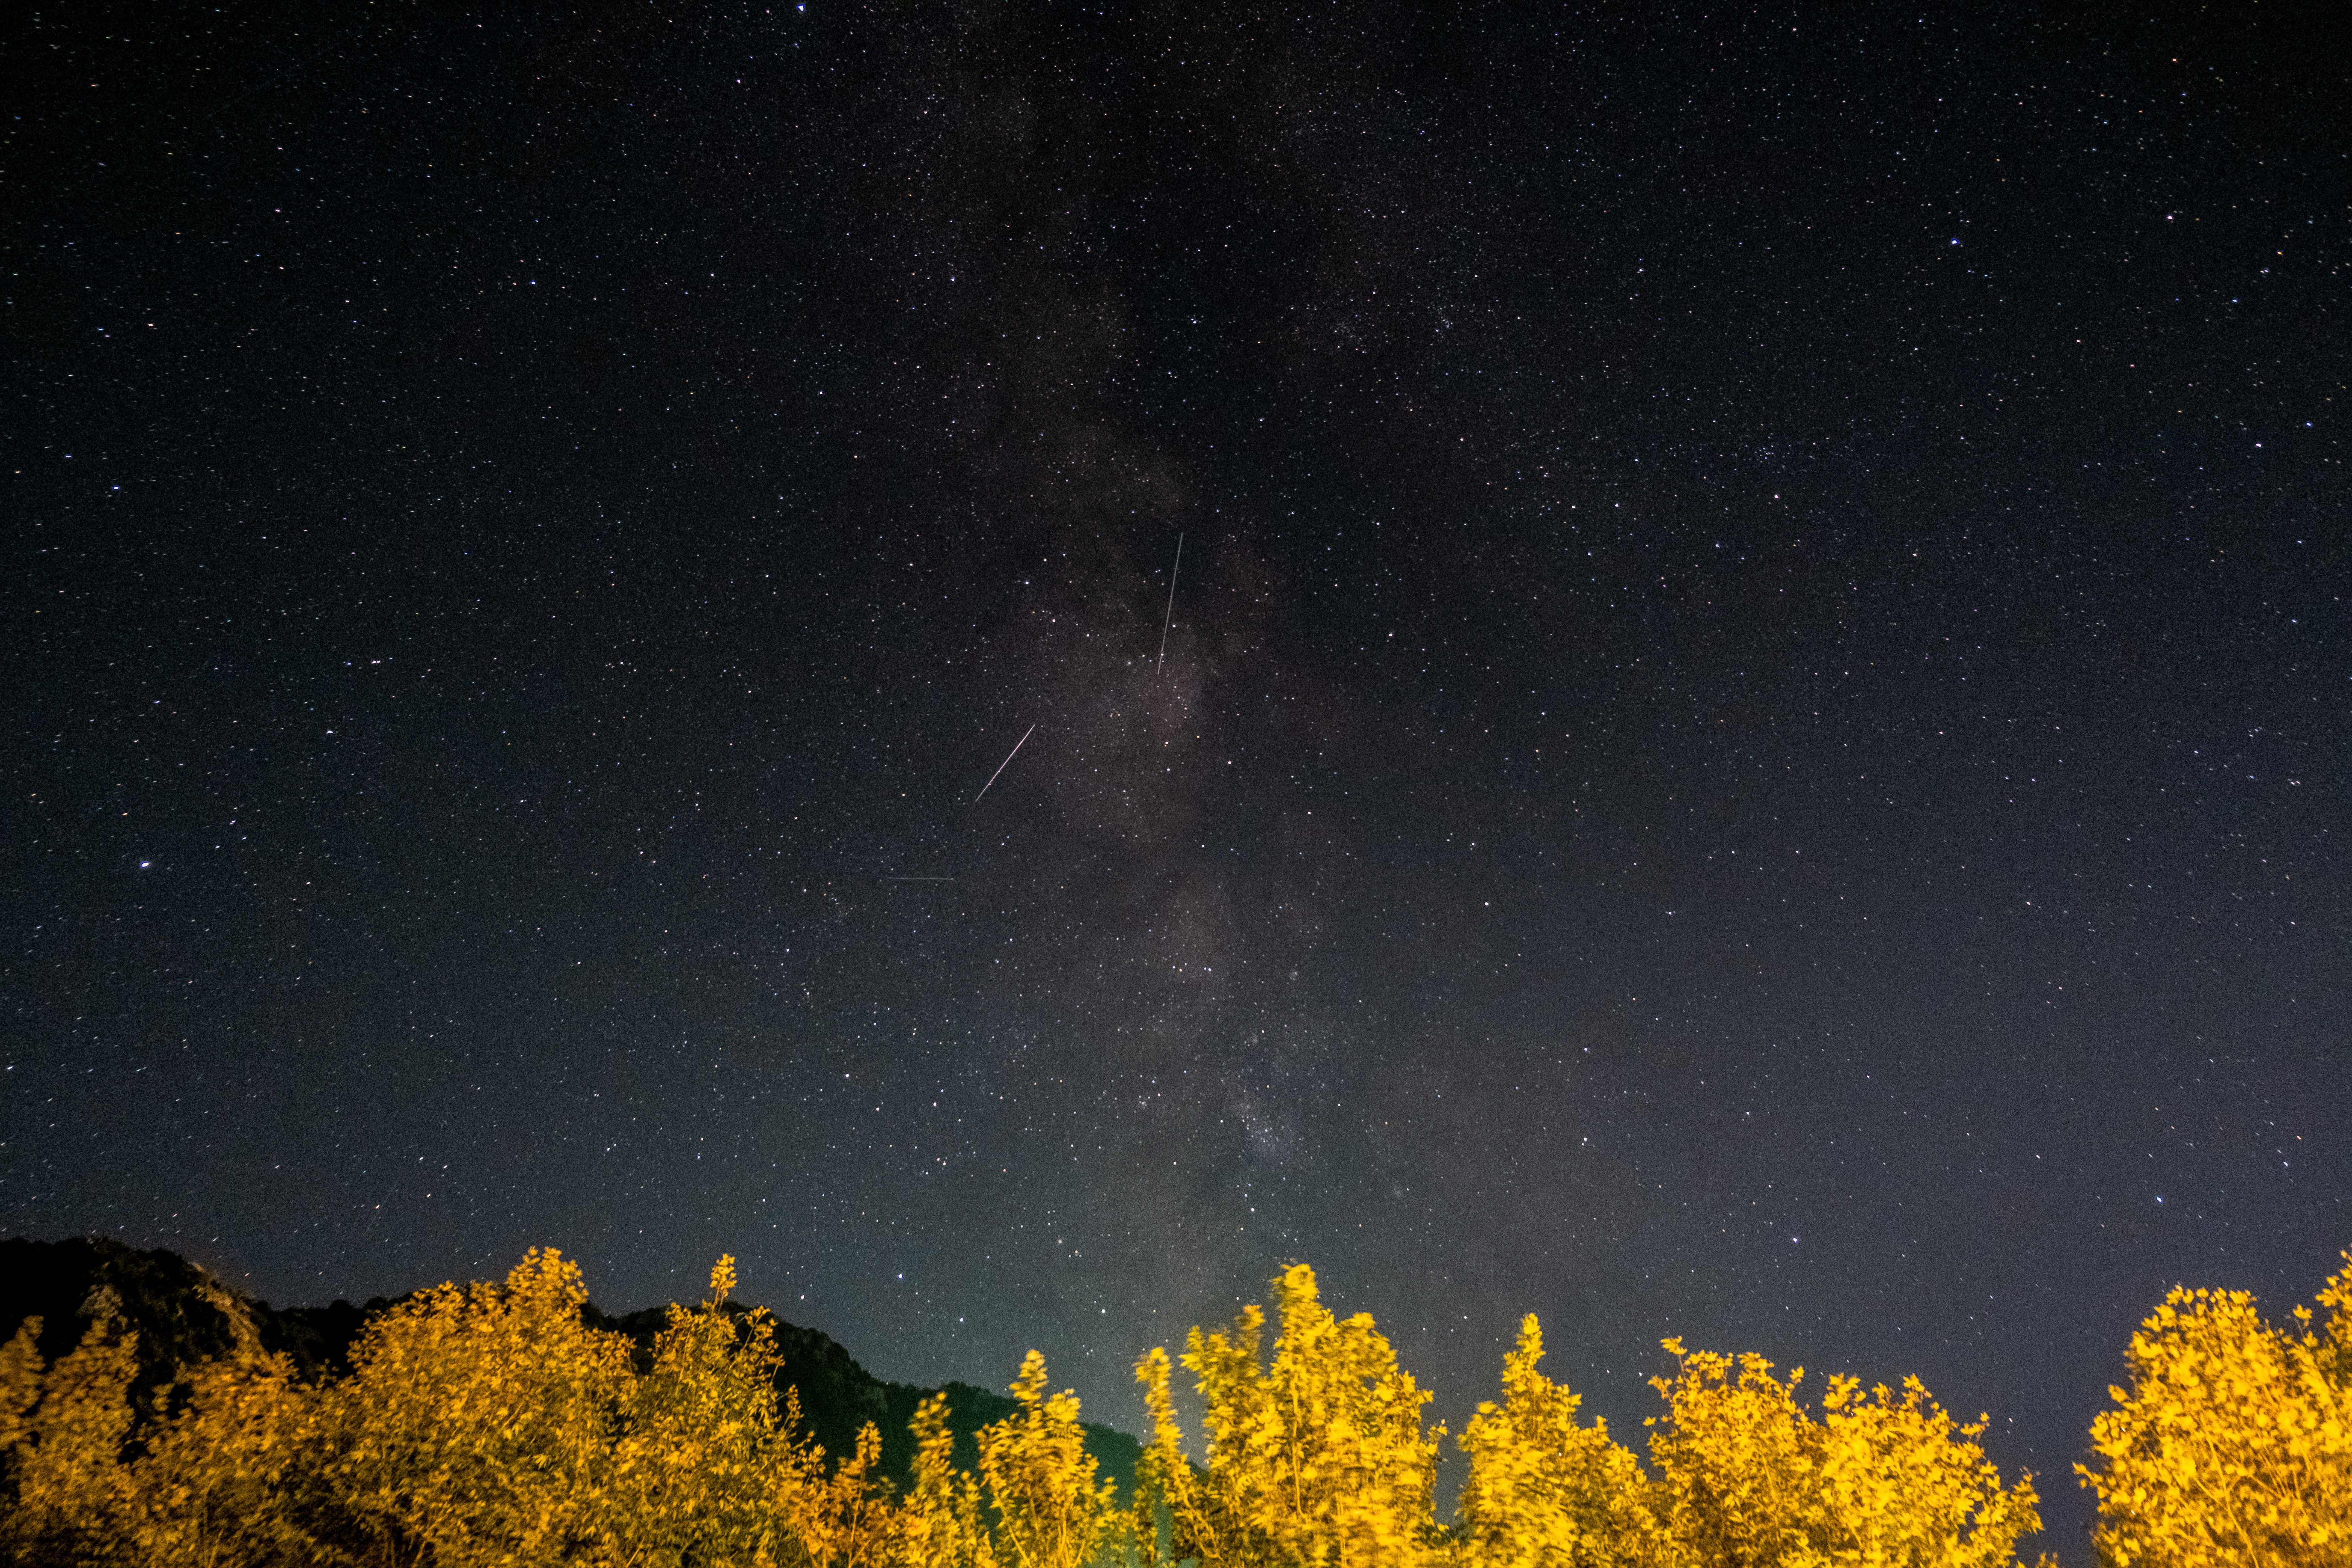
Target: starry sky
pixel 1746 739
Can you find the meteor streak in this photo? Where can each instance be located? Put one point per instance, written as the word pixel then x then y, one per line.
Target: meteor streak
pixel 1170 613
pixel 1016 749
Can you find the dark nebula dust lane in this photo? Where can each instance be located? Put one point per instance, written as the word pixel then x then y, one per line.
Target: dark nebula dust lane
pixel 1746 741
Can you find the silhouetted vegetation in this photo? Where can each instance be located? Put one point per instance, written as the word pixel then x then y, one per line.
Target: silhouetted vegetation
pixel 512 1424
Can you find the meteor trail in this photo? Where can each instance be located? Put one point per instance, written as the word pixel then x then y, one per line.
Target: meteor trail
pixel 1170 612
pixel 1016 748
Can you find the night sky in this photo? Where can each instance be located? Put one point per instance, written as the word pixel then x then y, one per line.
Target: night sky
pixel 1751 741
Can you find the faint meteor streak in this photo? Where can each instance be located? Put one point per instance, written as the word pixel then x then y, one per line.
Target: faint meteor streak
pixel 1008 758
pixel 1170 612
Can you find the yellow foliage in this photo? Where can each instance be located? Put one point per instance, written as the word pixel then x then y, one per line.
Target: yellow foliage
pixel 491 1425
pixel 233 1481
pixel 1318 1460
pixel 2233 1444
pixel 1050 1511
pixel 848 1520
pixel 1746 1475
pixel 1543 1492
pixel 1906 1484
pixel 477 1424
pixel 20 1383
pixel 72 1500
pixel 944 1525
pixel 701 1458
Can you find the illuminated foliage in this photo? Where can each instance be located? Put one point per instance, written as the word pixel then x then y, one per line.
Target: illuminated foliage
pixel 1543 1492
pixel 1746 1475
pixel 1050 1511
pixel 20 1383
pixel 234 1480
pixel 2233 1444
pixel 72 1495
pixel 493 1425
pixel 702 1457
pixel 477 1424
pixel 944 1526
pixel 1318 1459
pixel 848 1520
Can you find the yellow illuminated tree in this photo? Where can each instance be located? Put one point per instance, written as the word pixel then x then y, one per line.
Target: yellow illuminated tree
pixel 1317 1460
pixel 1906 1484
pixel 235 1479
pixel 847 1519
pixel 1544 1491
pixel 702 1459
pixel 72 1501
pixel 476 1424
pixel 1172 1496
pixel 1745 1475
pixel 1051 1512
pixel 2233 1444
pixel 20 1387
pixel 1737 1461
pixel 944 1524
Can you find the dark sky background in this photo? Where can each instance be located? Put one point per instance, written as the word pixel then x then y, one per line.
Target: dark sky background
pixel 1752 743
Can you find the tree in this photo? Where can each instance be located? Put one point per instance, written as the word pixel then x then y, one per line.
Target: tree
pixel 1318 1460
pixel 1050 1511
pixel 476 1424
pixel 1907 1484
pixel 847 1519
pixel 72 1499
pixel 701 1461
pixel 944 1524
pixel 20 1387
pixel 1543 1492
pixel 1745 1476
pixel 2233 1444
pixel 235 1479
